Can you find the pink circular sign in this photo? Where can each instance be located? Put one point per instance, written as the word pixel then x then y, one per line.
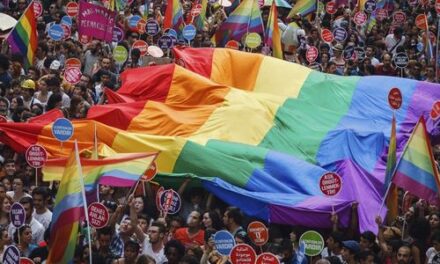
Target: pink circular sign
pixel 196 10
pixel 360 18
pixel 38 8
pixel 36 156
pixel 311 54
pixel 330 184
pixel 72 75
pixel 258 233
pixel 98 215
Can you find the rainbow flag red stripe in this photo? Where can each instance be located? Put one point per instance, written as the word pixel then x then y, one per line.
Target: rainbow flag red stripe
pixel 23 38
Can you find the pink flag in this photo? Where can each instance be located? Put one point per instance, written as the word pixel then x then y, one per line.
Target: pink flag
pixel 95 21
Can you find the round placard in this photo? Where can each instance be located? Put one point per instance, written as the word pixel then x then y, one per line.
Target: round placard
pixel 98 215
pixel 330 184
pixel 36 156
pixel 253 40
pixel 395 98
pixel 314 243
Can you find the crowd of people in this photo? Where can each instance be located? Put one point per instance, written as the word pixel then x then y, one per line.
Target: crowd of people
pixel 137 231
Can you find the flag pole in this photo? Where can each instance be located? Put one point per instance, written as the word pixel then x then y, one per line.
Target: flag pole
pixel 81 180
pixel 436 52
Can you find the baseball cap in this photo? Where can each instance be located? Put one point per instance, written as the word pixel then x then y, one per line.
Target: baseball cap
pixel 55 65
pixel 28 84
pixel 352 245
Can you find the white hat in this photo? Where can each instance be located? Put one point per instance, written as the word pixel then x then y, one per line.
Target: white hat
pixel 55 65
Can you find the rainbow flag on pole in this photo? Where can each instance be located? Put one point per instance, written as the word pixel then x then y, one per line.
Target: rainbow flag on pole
pixel 23 38
pixel 416 171
pixel 273 36
pixel 173 16
pixel 303 8
pixel 392 197
pixel 121 170
pixel 68 210
pixel 244 19
pixel 199 21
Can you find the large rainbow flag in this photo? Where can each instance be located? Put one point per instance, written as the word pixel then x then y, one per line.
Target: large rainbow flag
pixel 246 18
pixel 69 208
pixel 416 171
pixel 256 131
pixel 23 38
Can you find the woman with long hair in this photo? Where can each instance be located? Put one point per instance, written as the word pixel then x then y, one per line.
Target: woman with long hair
pixel 211 220
pixel 25 242
pixel 5 209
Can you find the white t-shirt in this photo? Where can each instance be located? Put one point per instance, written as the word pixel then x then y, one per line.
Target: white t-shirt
pixel 326 253
pixel 148 250
pixel 37 231
pixel 430 254
pixel 44 218
pixel 391 43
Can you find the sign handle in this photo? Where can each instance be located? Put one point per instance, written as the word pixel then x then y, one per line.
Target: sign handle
pixel 36 177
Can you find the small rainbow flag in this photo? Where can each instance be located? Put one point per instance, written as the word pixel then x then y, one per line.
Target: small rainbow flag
pixel 392 197
pixel 173 16
pixel 244 19
pixel 273 36
pixel 199 21
pixel 303 8
pixel 23 38
pixel 68 210
pixel 416 171
pixel 120 170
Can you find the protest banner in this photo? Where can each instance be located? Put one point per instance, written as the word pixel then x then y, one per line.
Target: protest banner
pixel 96 21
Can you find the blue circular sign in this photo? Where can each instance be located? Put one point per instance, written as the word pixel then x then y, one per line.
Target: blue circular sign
pixel 370 6
pixel 170 32
pixel 340 34
pixel 170 201
pixel 224 242
pixel 189 32
pixel 56 32
pixel 118 34
pixel 62 129
pixel 165 42
pixel 152 27
pixel 66 20
pixel 132 22
pixel 11 255
pixel 17 215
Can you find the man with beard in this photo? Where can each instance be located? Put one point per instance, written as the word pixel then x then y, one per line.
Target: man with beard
pixel 404 255
pixel 152 244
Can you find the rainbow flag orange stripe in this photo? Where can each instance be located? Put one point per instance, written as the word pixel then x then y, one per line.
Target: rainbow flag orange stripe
pixel 23 38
